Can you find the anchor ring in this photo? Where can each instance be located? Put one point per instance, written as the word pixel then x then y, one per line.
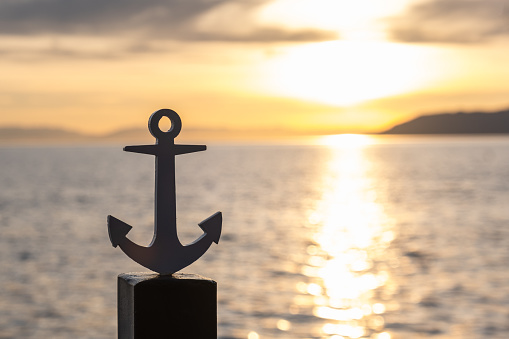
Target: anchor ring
pixel 153 124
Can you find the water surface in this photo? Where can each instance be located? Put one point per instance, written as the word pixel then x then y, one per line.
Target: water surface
pixel 404 238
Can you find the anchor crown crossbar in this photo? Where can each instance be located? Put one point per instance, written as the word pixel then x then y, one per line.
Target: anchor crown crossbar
pixel 165 254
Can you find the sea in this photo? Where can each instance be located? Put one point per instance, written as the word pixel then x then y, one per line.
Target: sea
pixel 356 237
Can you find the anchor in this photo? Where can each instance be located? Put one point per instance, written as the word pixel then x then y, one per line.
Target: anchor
pixel 165 254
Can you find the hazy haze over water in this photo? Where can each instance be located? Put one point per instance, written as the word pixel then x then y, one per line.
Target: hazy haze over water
pixel 408 238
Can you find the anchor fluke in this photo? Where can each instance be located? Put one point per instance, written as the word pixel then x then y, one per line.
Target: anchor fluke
pixel 117 229
pixel 212 226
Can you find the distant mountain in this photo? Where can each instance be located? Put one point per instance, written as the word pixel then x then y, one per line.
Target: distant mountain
pixel 136 134
pixel 30 136
pixel 42 134
pixel 452 123
pixel 27 135
pixel 455 123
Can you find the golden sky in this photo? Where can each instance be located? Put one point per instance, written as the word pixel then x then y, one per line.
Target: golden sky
pixel 308 66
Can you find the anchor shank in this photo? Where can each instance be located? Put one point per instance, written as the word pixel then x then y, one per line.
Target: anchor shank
pixel 165 222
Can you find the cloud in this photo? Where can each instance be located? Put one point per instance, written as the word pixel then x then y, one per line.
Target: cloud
pixel 452 21
pixel 184 20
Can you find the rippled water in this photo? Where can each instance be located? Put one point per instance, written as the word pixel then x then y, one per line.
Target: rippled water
pixel 407 238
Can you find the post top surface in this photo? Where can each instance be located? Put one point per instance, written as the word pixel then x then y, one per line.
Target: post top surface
pixel 135 278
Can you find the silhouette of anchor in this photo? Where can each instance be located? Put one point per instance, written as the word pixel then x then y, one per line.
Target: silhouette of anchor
pixel 165 254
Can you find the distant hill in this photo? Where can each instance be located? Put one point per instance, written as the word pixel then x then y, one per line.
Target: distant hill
pixel 30 136
pixel 21 134
pixel 455 123
pixel 135 134
pixel 451 123
pixel 27 135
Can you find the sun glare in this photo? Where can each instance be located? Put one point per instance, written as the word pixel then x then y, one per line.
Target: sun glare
pixel 359 67
pixel 359 19
pixel 346 140
pixel 344 73
pixel 352 235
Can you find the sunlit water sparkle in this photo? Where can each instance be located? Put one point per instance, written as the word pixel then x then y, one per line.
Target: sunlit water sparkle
pixel 358 239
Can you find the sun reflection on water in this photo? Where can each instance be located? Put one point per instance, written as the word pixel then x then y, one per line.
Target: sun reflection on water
pixel 346 257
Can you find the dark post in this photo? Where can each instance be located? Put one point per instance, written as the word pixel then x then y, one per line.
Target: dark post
pixel 153 306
